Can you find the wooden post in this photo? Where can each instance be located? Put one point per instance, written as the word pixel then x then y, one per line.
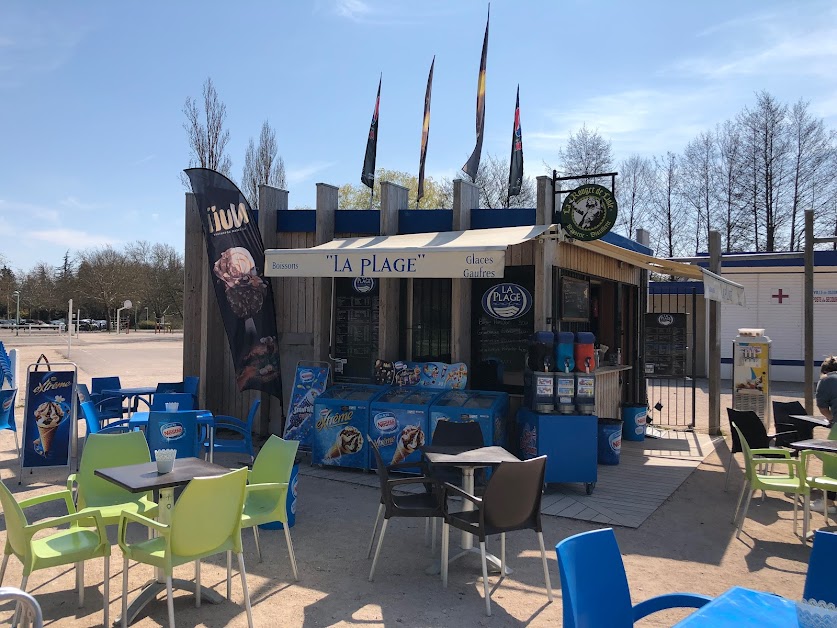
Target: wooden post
pixel 715 340
pixel 272 200
pixel 393 200
pixel 809 311
pixel 193 252
pixel 545 256
pixel 466 197
pixel 326 208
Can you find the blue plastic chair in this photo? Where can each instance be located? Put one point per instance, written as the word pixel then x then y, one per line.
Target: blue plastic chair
pixel 7 413
pixel 595 588
pixel 243 445
pixel 173 430
pixel 169 387
pixel 190 385
pixel 94 422
pixel 184 401
pixel 108 407
pixel 819 581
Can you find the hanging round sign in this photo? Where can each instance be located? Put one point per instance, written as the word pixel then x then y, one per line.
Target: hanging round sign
pixel 588 212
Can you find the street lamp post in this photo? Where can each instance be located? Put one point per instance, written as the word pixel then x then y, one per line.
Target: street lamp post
pixel 146 315
pixel 16 295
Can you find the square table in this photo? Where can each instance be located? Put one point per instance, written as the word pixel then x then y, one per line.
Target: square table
pixel 141 478
pixel 815 444
pixel 131 393
pixel 205 417
pixel 740 607
pixel 468 459
pixel 816 421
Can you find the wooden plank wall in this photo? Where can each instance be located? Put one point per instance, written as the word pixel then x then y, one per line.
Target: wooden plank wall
pixel 592 263
pixel 608 394
pixel 521 254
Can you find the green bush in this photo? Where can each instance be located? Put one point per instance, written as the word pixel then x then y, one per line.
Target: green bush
pixel 146 324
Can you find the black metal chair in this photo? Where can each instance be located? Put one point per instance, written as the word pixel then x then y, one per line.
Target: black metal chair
pixel 423 504
pixel 789 430
pixel 512 501
pixel 754 431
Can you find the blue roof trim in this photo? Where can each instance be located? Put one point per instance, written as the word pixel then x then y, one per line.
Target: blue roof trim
pixel 425 220
pixel 614 238
pixel 675 287
pixel 493 218
pixel 779 362
pixel 358 221
pixel 821 258
pixel 296 220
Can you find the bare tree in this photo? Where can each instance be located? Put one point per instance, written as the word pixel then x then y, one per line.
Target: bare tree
pixel 493 182
pixel 633 194
pixel 728 187
pixel 205 130
pixel 697 185
pixel 104 276
pixel 668 215
pixel 586 152
pixel 262 166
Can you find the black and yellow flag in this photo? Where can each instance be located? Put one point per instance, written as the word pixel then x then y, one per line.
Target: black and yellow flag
pixel 473 163
pixel 425 132
pixel 516 161
pixel 367 177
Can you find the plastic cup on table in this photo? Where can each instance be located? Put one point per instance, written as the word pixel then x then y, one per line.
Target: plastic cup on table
pixel 165 460
pixel 172 406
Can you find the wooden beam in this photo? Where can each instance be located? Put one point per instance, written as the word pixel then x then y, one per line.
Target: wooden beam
pixel 715 340
pixel 809 311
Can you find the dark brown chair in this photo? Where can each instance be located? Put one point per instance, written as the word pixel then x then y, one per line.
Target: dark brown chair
pixel 512 501
pixel 754 431
pixel 424 504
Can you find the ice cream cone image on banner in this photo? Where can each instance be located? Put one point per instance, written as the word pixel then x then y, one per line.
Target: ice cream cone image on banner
pixel 348 441
pixel 48 415
pixel 411 438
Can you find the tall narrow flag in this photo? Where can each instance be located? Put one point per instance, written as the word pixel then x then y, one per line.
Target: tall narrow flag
pixel 473 163
pixel 516 161
pixel 367 177
pixel 425 132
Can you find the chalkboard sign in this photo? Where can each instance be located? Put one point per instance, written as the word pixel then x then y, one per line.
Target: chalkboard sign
pixel 503 317
pixel 356 328
pixel 665 345
pixel 575 300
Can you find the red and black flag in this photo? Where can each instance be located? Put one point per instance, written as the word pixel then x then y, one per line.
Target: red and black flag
pixel 516 161
pixel 425 132
pixel 367 177
pixel 473 163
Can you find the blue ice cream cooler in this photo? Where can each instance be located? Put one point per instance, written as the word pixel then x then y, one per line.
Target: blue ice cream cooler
pixel 399 421
pixel 489 409
pixel 341 423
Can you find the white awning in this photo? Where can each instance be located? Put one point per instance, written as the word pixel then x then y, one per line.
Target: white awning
pixel 716 288
pixel 452 254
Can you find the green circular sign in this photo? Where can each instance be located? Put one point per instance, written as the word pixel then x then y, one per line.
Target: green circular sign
pixel 588 212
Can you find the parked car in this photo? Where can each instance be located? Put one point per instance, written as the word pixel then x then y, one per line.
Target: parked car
pixel 6 323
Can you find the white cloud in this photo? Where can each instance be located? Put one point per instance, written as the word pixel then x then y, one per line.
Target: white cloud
pixel 28 210
pixel 302 173
pixel 73 203
pixel 72 238
pixel 352 9
pixel 145 159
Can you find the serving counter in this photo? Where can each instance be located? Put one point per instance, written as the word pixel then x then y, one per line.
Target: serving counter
pixel 609 390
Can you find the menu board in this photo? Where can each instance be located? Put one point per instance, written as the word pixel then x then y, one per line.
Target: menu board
pixel 356 327
pixel 665 345
pixel 503 317
pixel 575 300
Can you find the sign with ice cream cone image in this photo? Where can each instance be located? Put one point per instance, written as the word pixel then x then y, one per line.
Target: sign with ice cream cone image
pixel 48 418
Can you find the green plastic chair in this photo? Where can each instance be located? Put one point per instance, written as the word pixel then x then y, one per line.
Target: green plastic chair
pixel 65 547
pixel 267 491
pixel 793 482
pixel 94 493
pixel 825 482
pixel 206 520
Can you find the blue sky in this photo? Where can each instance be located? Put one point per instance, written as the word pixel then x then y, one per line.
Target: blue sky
pixel 91 93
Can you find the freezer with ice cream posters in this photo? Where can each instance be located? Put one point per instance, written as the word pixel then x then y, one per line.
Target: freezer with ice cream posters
pixel 48 418
pixel 236 253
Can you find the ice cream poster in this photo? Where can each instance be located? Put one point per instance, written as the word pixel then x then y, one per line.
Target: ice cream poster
pixel 235 252
pixel 309 383
pixel 48 418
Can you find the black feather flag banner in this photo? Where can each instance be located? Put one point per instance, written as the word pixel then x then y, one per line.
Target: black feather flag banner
pixel 516 161
pixel 425 132
pixel 368 175
pixel 473 163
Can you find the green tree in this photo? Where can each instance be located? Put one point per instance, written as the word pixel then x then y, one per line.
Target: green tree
pixel 357 196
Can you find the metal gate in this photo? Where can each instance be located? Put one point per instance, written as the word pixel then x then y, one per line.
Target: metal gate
pixel 670 354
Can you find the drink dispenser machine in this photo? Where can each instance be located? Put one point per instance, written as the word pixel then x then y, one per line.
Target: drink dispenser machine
pixel 538 378
pixel 585 379
pixel 751 373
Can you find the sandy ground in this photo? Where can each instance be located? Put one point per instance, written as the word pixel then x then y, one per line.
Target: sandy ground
pixel 687 545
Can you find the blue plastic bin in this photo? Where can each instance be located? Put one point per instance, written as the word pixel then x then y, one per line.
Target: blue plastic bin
pixel 610 441
pixel 634 415
pixel 290 504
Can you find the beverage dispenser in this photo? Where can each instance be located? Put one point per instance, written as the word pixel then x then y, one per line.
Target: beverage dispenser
pixel 751 373
pixel 585 379
pixel 538 379
pixel 585 352
pixel 565 352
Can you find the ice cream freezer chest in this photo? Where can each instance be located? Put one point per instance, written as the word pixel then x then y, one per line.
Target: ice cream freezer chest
pixel 570 442
pixel 341 424
pixel 399 423
pixel 489 409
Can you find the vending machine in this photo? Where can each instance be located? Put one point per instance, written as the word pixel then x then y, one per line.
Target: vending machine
pixel 751 373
